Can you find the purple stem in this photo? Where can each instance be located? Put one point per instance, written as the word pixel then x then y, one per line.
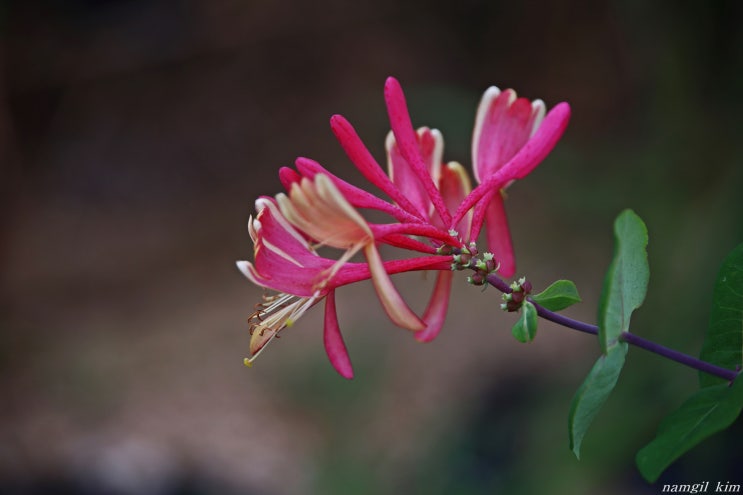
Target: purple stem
pixel 630 338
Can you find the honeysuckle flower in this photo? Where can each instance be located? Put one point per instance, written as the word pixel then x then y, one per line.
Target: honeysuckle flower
pixel 436 215
pixel 286 261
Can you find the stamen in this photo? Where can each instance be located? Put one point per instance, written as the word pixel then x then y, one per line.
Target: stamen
pixel 273 314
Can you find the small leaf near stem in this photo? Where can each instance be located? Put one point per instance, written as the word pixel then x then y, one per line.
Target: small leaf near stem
pixel 558 296
pixel 525 328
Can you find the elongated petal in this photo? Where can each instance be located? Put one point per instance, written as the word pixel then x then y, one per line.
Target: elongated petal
pixel 431 146
pixel 333 340
pixel 404 242
pixel 407 143
pixel 392 302
pixel 355 272
pixel 499 236
pixel 435 313
pixel 381 230
pixel 525 160
pixel 366 164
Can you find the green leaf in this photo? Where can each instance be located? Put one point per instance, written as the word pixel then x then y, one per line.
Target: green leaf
pixel 593 393
pixel 710 410
pixel 626 280
pixel 526 328
pixel 723 344
pixel 558 296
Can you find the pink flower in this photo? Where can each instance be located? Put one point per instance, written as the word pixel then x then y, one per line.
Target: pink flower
pixel 285 260
pixel 435 211
pixel 511 137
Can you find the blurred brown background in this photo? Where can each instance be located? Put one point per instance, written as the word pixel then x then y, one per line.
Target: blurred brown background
pixel 135 136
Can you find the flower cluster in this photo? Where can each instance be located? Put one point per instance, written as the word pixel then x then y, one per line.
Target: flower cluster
pixel 434 214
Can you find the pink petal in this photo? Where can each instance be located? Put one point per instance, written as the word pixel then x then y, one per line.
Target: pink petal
pixel 418 229
pixel 504 123
pixel 283 259
pixel 407 143
pixel 333 340
pixel 525 160
pixel 404 242
pixel 392 302
pixel 431 146
pixel 288 177
pixel 499 236
pixel 436 311
pixel 355 272
pixel 365 162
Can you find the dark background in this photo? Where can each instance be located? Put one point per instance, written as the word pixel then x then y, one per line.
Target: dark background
pixel 134 138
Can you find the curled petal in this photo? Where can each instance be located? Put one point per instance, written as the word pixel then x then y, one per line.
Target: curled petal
pixel 503 125
pixel 392 302
pixel 283 260
pixel 435 313
pixel 333 340
pixel 525 160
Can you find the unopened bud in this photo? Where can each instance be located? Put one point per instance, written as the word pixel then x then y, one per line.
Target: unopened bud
pixel 444 249
pixel 477 278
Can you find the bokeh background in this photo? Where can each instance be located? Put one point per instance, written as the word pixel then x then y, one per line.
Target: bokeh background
pixel 135 136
